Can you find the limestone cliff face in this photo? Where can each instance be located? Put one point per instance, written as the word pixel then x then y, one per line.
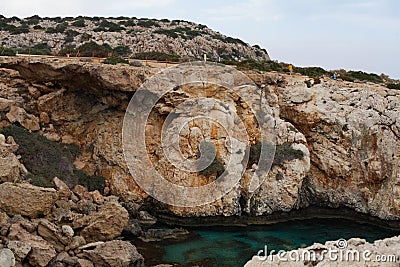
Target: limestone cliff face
pixel 352 131
pixel 348 134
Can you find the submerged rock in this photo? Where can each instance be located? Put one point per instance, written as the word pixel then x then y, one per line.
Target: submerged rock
pixel 162 234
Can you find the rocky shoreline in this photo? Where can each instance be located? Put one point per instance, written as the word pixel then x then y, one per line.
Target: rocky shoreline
pixel 60 227
pixel 312 212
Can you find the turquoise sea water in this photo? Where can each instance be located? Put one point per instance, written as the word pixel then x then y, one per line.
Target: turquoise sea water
pixel 234 246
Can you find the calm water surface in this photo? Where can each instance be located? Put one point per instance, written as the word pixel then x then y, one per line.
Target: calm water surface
pixel 234 246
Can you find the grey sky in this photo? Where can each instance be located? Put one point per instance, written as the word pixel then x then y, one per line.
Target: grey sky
pixel 351 34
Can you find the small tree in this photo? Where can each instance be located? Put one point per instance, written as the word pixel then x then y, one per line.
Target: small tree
pixel 79 23
pixel 92 48
pixel 122 51
pixel 5 51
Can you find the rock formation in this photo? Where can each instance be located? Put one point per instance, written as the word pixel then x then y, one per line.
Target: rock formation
pixel 350 159
pixel 345 136
pixel 62 234
pixel 183 38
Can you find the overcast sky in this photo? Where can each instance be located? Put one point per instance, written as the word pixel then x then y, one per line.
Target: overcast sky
pixel 351 34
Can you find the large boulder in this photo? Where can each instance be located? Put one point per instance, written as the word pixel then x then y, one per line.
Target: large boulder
pixel 28 121
pixel 115 253
pixel 53 234
pixel 26 199
pixel 42 252
pixel 105 224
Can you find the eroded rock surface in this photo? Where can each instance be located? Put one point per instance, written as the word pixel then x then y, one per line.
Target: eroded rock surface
pixel 352 130
pixel 114 253
pixel 26 199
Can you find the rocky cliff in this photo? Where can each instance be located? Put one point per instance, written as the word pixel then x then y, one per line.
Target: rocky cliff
pixel 347 133
pixel 336 145
pixel 130 35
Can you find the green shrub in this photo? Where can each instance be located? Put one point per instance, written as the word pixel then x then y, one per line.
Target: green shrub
pixel 33 20
pixel 184 32
pixel 115 60
pixel 85 37
pixel 209 154
pixel 5 51
pixel 283 152
pixel 18 30
pixel 90 182
pixel 122 51
pixel 259 65
pixel 363 76
pixel 147 23
pixel 72 33
pixel 45 159
pixel 352 76
pixel 39 180
pixel 312 71
pixel 38 27
pixel 92 48
pixel 38 49
pixel 128 23
pixel 60 28
pixel 160 56
pixel 234 41
pixel 79 23
pixel 67 50
pixel 33 51
pixel 346 78
pixel 393 86
pixel 106 25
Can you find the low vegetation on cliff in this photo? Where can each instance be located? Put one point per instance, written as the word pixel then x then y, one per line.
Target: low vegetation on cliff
pixel 47 159
pixel 124 36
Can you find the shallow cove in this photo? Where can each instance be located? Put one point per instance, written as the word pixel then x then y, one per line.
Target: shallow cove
pixel 235 245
